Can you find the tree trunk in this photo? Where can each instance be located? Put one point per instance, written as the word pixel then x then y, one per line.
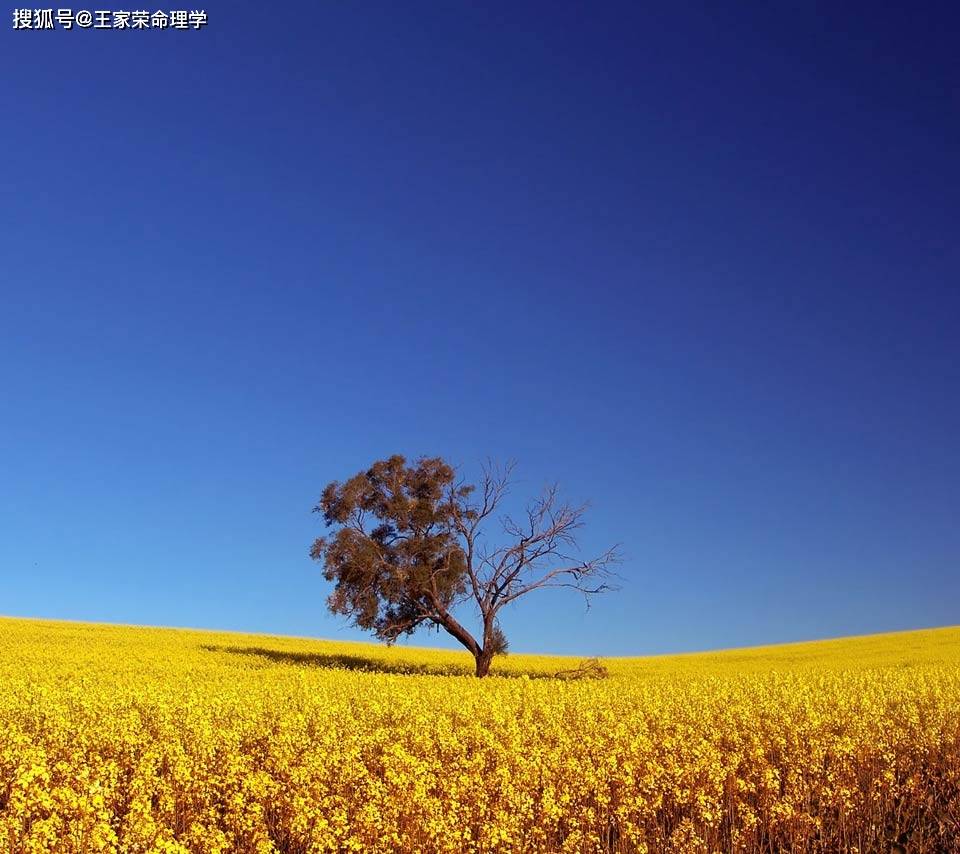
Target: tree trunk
pixel 483 659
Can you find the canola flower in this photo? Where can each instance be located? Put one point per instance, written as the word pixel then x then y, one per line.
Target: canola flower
pixel 116 739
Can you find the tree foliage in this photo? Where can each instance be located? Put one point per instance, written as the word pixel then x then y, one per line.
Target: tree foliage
pixel 410 546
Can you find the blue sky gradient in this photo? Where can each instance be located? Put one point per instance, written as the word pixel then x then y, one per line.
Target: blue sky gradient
pixel 699 268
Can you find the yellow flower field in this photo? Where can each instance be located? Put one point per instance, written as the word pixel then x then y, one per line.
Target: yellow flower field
pixel 157 740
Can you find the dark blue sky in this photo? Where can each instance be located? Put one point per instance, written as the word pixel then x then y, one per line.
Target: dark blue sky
pixel 698 267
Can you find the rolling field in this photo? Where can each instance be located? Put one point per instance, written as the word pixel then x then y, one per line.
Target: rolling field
pixel 159 740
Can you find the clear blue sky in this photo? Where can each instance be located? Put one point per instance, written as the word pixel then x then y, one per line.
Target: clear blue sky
pixel 700 267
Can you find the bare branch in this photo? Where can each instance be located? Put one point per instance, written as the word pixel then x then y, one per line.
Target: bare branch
pixel 467 518
pixel 540 554
pixel 588 577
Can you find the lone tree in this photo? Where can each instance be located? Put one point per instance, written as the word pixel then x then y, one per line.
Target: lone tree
pixel 410 547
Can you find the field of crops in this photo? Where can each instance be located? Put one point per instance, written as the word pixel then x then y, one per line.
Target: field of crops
pixel 155 740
